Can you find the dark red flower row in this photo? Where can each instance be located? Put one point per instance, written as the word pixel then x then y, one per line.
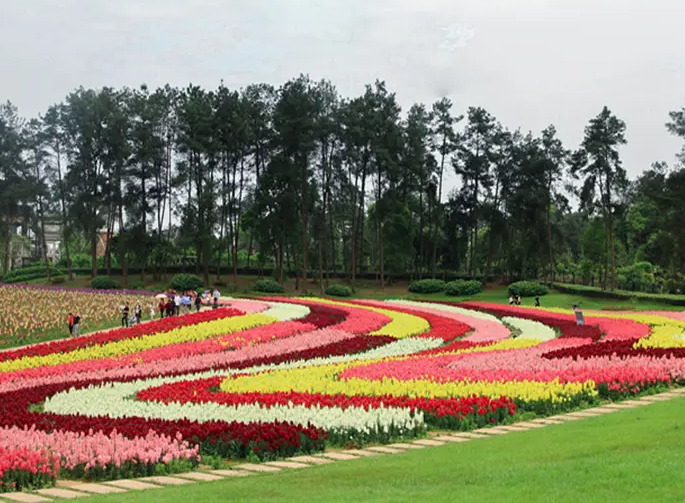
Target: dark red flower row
pixel 566 324
pixel 442 327
pixel 273 438
pixel 97 338
pixel 621 349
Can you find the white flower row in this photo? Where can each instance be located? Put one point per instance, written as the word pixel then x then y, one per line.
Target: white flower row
pixel 115 400
pixel 286 312
pixel 531 329
pixel 443 307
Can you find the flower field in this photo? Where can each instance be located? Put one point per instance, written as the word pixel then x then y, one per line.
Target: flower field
pixel 31 313
pixel 279 377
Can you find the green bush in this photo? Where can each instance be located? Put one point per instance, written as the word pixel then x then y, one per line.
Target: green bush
pixel 268 286
pixel 427 286
pixel 184 282
pixel 528 289
pixel 462 288
pixel 103 283
pixel 339 291
pixel 30 273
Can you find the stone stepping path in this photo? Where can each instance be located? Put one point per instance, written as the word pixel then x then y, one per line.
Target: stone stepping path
pixel 68 489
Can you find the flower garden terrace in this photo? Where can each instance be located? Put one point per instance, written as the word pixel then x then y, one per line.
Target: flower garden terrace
pixel 278 377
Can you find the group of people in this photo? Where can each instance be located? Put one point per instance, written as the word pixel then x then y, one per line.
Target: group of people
pixel 173 305
pixel 516 300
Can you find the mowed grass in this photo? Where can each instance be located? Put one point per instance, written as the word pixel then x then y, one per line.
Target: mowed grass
pixel 635 455
pixel 365 289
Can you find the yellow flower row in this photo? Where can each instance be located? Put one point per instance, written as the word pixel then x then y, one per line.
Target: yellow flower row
pixel 401 324
pixel 505 345
pixel 190 333
pixel 665 333
pixel 325 379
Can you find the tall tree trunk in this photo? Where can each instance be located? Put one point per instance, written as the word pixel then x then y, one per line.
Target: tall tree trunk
pixel 8 241
pixel 303 211
pixel 549 230
pixel 420 263
pixel 122 244
pixel 438 208
pixel 321 286
pixel 491 246
pixel 63 200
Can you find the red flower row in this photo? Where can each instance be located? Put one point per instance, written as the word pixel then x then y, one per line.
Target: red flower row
pixel 442 327
pixel 232 439
pixel 25 468
pixel 200 391
pixel 566 324
pixel 97 338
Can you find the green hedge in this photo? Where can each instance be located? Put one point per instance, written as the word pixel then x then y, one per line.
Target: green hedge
pixel 528 289
pixel 463 287
pixel 268 286
pixel 103 283
pixel 596 292
pixel 339 291
pixel 185 282
pixel 30 273
pixel 427 286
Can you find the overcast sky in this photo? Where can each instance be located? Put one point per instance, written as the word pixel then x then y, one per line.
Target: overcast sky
pixel 528 62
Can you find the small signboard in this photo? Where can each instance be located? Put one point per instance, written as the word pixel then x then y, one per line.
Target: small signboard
pixel 579 318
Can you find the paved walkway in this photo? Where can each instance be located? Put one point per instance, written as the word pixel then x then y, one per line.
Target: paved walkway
pixel 75 489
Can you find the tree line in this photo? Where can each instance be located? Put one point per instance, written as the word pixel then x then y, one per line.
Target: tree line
pixel 310 183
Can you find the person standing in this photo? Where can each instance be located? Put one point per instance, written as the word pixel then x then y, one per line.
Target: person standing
pixel 169 308
pixel 70 322
pixel 77 325
pixel 152 312
pixel 216 303
pixel 124 316
pixel 198 303
pixel 216 295
pixel 511 300
pixel 537 301
pixel 162 308
pixel 177 305
pixel 139 314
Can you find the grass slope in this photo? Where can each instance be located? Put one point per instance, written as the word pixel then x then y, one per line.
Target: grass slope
pixel 634 455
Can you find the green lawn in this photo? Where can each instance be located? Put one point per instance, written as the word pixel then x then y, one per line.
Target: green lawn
pixel 369 289
pixel 635 455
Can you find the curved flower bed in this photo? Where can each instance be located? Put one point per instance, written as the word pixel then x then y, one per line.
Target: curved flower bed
pixel 22 467
pixel 278 376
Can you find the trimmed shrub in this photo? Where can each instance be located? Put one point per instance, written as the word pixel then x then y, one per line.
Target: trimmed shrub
pixel 31 273
pixel 463 287
pixel 528 289
pixel 339 291
pixel 58 280
pixel 268 286
pixel 103 283
pixel 184 282
pixel 427 286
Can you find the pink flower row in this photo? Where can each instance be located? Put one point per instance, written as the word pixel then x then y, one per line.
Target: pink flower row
pixel 97 449
pixel 176 365
pixel 523 364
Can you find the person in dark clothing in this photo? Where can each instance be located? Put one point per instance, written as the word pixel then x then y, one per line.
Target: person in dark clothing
pixel 198 303
pixel 77 321
pixel 216 303
pixel 124 316
pixel 169 308
pixel 537 301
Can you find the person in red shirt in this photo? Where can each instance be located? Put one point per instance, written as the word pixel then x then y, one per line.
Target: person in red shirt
pixel 161 307
pixel 70 322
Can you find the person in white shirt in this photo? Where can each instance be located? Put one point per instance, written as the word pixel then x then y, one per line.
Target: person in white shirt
pixel 177 304
pixel 216 295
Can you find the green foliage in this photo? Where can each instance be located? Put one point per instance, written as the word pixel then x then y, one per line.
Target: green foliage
pixel 184 282
pixel 103 283
pixel 268 286
pixel 30 273
pixel 527 289
pixel 463 288
pixel 637 277
pixel 592 291
pixel 427 286
pixel 339 291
